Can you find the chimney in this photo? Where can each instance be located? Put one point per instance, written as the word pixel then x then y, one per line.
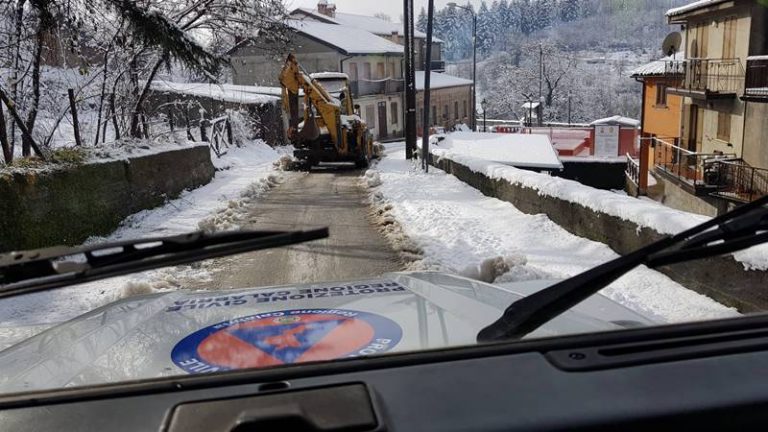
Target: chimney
pixel 327 9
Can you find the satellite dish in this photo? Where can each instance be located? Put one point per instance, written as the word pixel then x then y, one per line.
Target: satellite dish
pixel 672 42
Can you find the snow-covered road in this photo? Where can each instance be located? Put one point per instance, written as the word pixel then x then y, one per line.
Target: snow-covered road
pixel 459 230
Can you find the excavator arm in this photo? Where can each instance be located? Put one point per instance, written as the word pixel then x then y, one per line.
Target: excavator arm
pixel 293 80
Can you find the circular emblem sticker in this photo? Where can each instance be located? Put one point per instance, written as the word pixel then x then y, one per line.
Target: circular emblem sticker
pixel 285 337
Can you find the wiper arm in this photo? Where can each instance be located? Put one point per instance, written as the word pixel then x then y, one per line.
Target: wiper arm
pixel 739 229
pixel 46 269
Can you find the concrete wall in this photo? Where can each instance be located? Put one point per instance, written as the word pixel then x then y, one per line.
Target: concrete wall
pixel 66 206
pixel 755 150
pixel 722 278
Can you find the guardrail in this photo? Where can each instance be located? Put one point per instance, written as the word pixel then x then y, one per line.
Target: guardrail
pixel 633 170
pixel 737 180
pixel 720 76
pixel 756 83
pixel 685 165
pixel 374 87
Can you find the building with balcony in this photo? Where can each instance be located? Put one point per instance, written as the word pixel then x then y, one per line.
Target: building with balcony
pixel 718 158
pixel 372 63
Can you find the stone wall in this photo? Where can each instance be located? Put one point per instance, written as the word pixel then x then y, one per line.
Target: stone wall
pixel 65 206
pixel 721 278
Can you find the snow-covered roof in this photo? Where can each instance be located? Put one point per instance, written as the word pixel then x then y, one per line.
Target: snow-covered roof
pixel 656 67
pixel 520 150
pixel 692 6
pixel 223 92
pixel 329 75
pixel 617 121
pixel 440 80
pixel 531 105
pixel 372 24
pixel 348 40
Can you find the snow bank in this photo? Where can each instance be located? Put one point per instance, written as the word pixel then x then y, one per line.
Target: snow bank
pixel 644 213
pixel 444 224
pixel 242 175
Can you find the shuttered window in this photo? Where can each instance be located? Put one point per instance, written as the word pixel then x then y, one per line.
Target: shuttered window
pixel 661 95
pixel 724 127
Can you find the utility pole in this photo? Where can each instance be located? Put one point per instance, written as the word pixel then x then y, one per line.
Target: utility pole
pixel 541 70
pixel 427 73
pixel 409 98
pixel 569 110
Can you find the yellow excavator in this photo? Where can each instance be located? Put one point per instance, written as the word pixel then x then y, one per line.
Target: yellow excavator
pixel 330 129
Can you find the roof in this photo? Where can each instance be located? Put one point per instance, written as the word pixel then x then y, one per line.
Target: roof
pixel 239 94
pixel 692 6
pixel 657 67
pixel 440 80
pixel 520 150
pixel 372 24
pixel 348 40
pixel 616 121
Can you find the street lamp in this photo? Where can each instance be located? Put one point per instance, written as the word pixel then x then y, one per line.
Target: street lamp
pixel 484 105
pixel 474 61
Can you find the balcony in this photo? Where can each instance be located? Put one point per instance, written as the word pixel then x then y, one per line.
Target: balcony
pixel 756 85
pixel 708 79
pixel 376 87
pixel 437 66
pixel 693 171
pixel 737 181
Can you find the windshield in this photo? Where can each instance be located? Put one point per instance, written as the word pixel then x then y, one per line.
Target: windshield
pixel 497 148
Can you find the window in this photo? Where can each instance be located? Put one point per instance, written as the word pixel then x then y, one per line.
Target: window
pixel 434 114
pixel 393 112
pixel 380 72
pixel 724 127
pixel 661 95
pixel 352 71
pixel 370 116
pixel 729 38
pixel 366 71
pixel 465 109
pixel 456 110
pixel 446 113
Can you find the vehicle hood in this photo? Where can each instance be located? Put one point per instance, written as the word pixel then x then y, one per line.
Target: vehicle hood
pixel 182 332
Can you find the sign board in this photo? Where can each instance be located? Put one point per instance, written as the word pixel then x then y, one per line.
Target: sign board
pixel 607 141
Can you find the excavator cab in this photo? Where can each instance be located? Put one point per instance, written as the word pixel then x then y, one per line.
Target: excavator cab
pixel 330 129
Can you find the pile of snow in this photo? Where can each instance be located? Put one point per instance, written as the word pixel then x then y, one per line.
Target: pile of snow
pixel 644 213
pixel 446 225
pixel 522 150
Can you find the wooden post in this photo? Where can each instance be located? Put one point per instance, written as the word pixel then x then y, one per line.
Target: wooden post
pixel 20 123
pixel 75 122
pixel 7 154
pixel 644 166
pixel 114 116
pixel 230 135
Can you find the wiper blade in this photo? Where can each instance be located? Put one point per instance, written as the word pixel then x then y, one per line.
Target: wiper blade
pixel 46 269
pixel 739 229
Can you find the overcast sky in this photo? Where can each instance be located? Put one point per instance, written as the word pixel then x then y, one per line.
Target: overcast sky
pixel 393 8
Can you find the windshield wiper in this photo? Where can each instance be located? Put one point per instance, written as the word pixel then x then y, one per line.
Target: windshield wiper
pixel 57 267
pixel 739 229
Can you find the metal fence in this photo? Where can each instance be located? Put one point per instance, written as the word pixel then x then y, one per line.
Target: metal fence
pixel 633 170
pixel 709 75
pixel 757 78
pixel 737 180
pixel 687 166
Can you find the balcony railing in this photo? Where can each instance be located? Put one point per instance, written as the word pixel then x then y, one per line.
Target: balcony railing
pixel 374 87
pixel 708 78
pixel 756 86
pixel 633 170
pixel 736 180
pixel 437 65
pixel 690 168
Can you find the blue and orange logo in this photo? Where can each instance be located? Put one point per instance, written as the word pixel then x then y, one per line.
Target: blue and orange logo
pixel 285 337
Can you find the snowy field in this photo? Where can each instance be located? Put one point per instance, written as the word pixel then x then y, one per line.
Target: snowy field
pixel 443 224
pixel 241 175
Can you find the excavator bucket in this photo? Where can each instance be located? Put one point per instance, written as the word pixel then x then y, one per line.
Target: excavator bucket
pixel 310 131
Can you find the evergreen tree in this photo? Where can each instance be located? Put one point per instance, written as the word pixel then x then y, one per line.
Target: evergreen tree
pixel 421 20
pixel 569 10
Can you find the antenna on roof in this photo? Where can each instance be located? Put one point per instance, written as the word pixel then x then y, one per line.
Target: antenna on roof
pixel 671 44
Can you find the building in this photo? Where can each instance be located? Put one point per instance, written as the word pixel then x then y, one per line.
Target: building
pixel 719 158
pixel 450 98
pixel 394 32
pixel 661 111
pixel 373 64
